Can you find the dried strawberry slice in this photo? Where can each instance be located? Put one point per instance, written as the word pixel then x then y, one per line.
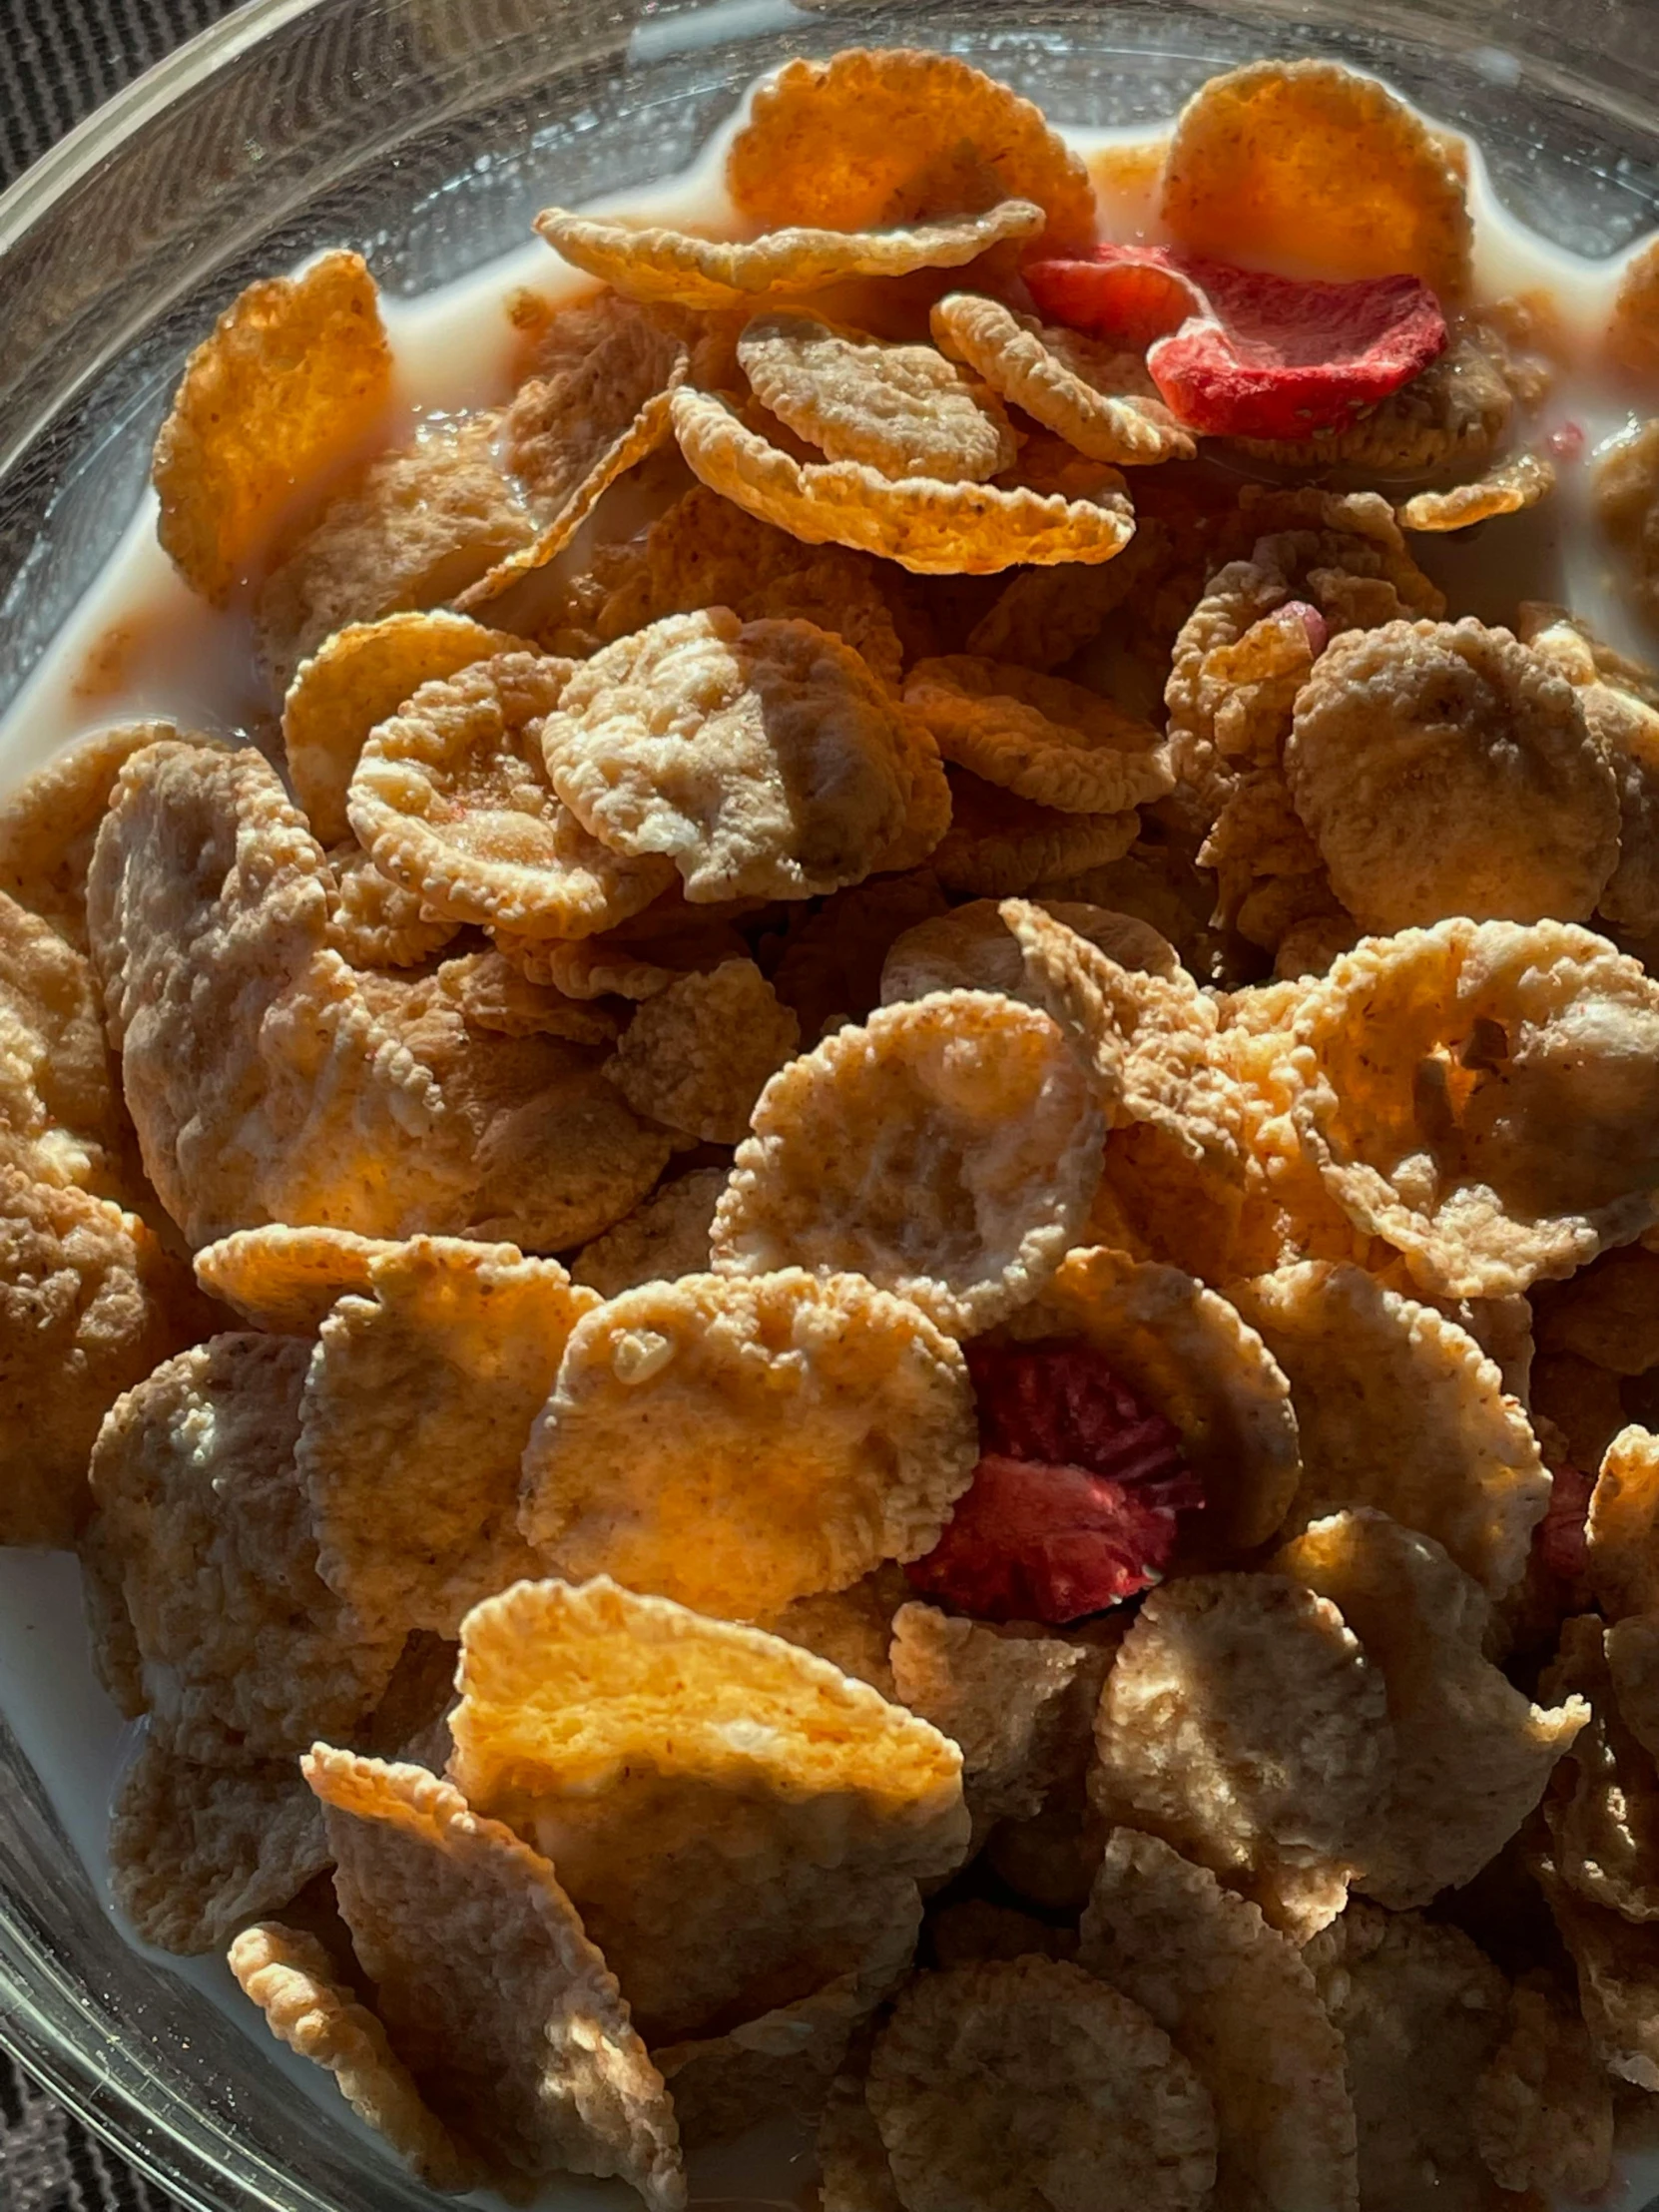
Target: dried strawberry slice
pixel 1237 352
pixel 1073 1506
pixel 1562 1538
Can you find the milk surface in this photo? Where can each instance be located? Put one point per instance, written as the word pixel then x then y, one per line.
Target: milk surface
pixel 141 643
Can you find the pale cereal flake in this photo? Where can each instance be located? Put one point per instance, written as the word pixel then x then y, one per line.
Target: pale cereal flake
pixel 48 824
pixel 1543 2114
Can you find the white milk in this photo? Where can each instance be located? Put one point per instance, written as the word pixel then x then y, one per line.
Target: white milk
pixel 140 644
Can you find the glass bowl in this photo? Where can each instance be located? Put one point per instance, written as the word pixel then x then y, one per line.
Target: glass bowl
pixel 427 133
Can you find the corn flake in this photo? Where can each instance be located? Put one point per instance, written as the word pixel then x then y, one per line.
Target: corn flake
pixel 297 374
pixel 1049 739
pixel 1236 2001
pixel 523 2045
pixel 903 411
pixel 1544 2116
pixel 948 1150
pixel 244 1651
pixel 292 1979
pixel 1452 414
pixel 895 135
pixel 851 1628
pixel 49 824
pixel 696 1056
pixel 376 924
pixel 285 1280
pixel 924 525
pixel 1471 1753
pixel 1243 1724
pixel 1397 1408
pixel 1488 1115
pixel 730 1815
pixel 651 262
pixel 736 1442
pixel 1000 846
pixel 971 948
pixel 1503 490
pixel 665 1237
pixel 1602 1811
pixel 1308 163
pixel 61 1118
pixel 1623 1526
pixel 1019 2084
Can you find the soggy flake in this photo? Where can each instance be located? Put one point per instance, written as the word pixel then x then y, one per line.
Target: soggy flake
pixel 295 373
pixel 360 676
pixel 1007 1701
pixel 999 845
pixel 971 948
pixel 1096 398
pixel 652 263
pixel 732 1816
pixel 1544 2116
pixel 735 1442
pixel 1422 2013
pixel 61 1118
pixel 1310 163
pixel 665 1237
pixel 761 759
pixel 198 1852
pixel 896 134
pixel 451 800
pixel 415 1414
pixel 698 1055
pixel 948 1150
pixel 1447 768
pixel 1471 1753
pixel 1243 1724
pixel 1397 1408
pixel 903 411
pixel 292 1979
pixel 48 824
pixel 245 1653
pixel 509 2022
pixel 411 530
pixel 90 1301
pixel 375 922
pixel 927 526
pixel 285 1280
pixel 1018 2084
pixel 1479 1095
pixel 1049 739
pixel 1236 2001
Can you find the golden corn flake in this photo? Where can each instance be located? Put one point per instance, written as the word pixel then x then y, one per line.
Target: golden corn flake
pixel 1007 1701
pixel 521 2043
pixel 285 1280
pixel 198 1852
pixel 246 1652
pixel 1471 1753
pixel 61 1117
pixel 651 262
pixel 1422 2013
pixel 1306 163
pixel 730 1815
pixel 971 948
pixel 292 1979
pixel 374 922
pixel 1184 1352
pixel 1000 846
pixel 416 1415
pixel 297 374
pixel 1041 736
pixel 1504 491
pixel 451 800
pixel 412 529
pixel 736 1443
pixel 761 759
pixel 1622 1530
pixel 1397 1408
pixel 1481 1096
pixel 1447 768
pixel 1020 2084
pixel 905 410
pixel 895 135
pixel 90 1301
pixel 1243 1724
pixel 698 1055
pixel 1236 2001
pixel 1095 398
pixel 931 527
pixel 359 677
pixel 1544 2116
pixel 949 1151
pixel 664 1238
pixel 49 824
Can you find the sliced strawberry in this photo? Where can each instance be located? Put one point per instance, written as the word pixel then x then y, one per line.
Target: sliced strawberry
pixel 1239 354
pixel 1560 1538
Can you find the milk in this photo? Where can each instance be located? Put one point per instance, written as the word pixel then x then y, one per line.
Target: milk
pixel 141 643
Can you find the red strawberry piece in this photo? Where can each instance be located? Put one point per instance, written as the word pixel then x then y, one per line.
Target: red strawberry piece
pixel 1253 355
pixel 1560 1539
